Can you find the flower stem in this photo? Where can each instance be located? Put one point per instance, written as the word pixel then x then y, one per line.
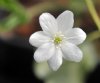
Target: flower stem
pixel 93 13
pixel 93 36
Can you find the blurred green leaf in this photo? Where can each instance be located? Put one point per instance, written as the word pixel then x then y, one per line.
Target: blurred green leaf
pixel 17 15
pixel 77 6
pixel 70 72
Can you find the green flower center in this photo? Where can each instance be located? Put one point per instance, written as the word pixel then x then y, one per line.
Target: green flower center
pixel 57 40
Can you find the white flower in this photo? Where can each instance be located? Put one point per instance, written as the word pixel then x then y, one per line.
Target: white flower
pixel 58 40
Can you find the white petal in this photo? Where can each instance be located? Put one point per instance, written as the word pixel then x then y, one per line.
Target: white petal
pixel 44 52
pixel 48 23
pixel 56 60
pixel 38 38
pixel 71 52
pixel 65 20
pixel 76 36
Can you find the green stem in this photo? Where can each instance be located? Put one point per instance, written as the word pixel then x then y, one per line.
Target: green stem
pixel 93 13
pixel 93 36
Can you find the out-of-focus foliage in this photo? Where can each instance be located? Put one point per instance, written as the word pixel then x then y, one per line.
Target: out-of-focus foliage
pixel 69 72
pixel 17 14
pixel 77 6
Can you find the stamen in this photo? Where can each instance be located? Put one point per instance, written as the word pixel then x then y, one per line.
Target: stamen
pixel 57 40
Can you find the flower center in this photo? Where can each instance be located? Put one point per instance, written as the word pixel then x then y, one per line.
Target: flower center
pixel 57 40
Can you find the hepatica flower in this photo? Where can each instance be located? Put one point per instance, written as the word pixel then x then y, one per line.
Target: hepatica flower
pixel 58 40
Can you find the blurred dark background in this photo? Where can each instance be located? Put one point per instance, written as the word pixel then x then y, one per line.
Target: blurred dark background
pixel 16 64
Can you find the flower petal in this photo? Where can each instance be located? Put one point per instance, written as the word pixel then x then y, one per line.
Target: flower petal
pixel 56 61
pixel 71 52
pixel 65 20
pixel 38 38
pixel 48 23
pixel 44 52
pixel 76 36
